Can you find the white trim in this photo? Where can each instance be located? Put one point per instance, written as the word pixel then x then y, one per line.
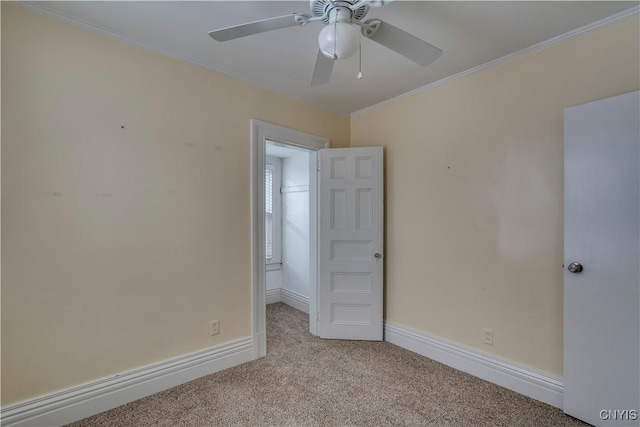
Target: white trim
pixel 291 298
pixel 92 398
pixel 295 300
pixel 524 380
pixel 261 132
pixel 314 227
pixel 294 189
pixel 273 266
pixel 273 296
pixel 40 8
pixel 615 18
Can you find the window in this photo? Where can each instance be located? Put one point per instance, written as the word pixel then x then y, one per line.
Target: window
pixel 268 212
pixel 272 209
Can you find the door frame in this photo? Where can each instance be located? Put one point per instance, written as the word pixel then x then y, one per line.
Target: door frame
pixel 261 132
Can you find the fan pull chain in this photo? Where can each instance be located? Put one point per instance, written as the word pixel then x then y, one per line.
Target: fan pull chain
pixel 360 61
pixel 335 37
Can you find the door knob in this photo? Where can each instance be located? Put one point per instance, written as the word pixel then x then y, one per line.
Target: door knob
pixel 378 255
pixel 575 267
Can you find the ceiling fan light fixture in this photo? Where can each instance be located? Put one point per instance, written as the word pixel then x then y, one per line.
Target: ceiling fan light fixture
pixel 340 39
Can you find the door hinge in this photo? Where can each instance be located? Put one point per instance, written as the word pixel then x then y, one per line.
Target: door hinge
pixel 318 317
pixel 318 166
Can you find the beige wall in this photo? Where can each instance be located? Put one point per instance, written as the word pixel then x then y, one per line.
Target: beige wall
pixel 119 245
pixel 474 197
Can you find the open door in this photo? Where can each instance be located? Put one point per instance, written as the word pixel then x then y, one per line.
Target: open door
pixel 602 261
pixel 350 243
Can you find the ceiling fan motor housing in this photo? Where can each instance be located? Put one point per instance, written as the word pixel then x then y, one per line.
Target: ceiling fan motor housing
pixel 321 8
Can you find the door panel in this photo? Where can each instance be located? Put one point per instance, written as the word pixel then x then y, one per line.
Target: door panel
pixel 350 236
pixel 601 224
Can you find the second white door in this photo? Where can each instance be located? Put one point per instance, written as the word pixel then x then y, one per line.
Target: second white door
pixel 602 268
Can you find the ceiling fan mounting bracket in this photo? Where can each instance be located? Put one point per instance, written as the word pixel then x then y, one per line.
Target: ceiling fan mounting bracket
pixel 303 19
pixel 369 27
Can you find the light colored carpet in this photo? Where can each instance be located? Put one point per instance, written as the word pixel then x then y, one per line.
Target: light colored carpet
pixel 306 381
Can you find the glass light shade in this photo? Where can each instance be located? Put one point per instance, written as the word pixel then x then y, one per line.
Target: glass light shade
pixel 347 40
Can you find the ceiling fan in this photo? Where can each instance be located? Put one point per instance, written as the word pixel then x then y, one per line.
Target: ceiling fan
pixel 340 37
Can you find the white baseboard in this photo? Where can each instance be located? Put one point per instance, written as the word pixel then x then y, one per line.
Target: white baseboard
pixel 537 385
pixel 89 399
pixel 273 295
pixel 295 300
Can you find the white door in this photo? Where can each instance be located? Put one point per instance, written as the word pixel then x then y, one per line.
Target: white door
pixel 350 244
pixel 601 226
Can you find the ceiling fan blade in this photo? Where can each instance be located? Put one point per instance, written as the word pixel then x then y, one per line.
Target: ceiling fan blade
pixel 322 69
pixel 405 44
pixel 255 27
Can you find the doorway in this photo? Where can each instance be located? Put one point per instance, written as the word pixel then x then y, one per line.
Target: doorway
pixel 302 146
pixel 287 225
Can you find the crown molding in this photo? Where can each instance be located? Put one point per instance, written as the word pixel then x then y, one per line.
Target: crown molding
pixel 615 18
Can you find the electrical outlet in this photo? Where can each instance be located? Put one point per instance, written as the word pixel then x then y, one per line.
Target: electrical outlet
pixel 488 336
pixel 214 327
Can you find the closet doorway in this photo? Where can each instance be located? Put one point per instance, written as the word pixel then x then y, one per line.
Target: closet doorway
pixel 284 264
pixel 287 225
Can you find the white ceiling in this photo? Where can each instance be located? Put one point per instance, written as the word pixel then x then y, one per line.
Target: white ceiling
pixel 470 33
